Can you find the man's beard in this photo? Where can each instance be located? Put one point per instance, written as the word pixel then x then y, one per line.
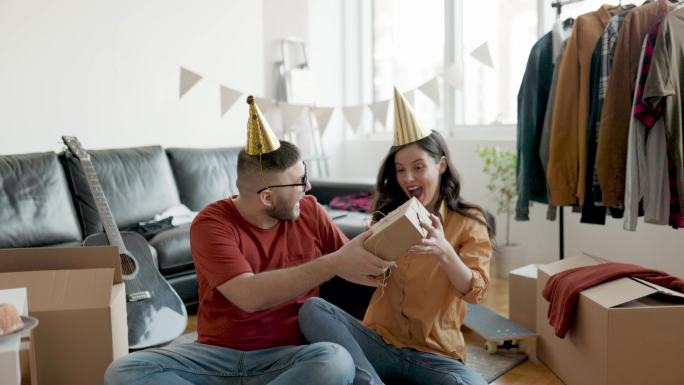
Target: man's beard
pixel 283 212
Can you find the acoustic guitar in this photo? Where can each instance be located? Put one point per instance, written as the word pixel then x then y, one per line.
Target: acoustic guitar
pixel 156 315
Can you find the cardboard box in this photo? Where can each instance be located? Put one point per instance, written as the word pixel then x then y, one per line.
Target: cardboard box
pixel 625 332
pixel 522 292
pixel 399 230
pixel 78 296
pixel 25 361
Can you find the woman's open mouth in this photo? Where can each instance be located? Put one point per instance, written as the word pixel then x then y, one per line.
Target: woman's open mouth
pixel 415 191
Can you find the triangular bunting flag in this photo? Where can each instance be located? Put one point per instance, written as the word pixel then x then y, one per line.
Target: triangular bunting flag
pixel 188 79
pixel 322 115
pixel 291 113
pixel 431 90
pixel 483 55
pixel 380 111
pixel 454 76
pixel 264 104
pixel 353 115
pixel 228 98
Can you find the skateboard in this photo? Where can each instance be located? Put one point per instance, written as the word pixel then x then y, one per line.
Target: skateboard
pixel 499 332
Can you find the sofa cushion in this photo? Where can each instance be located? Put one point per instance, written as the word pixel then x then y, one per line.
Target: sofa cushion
pixel 173 250
pixel 204 176
pixel 137 182
pixel 35 205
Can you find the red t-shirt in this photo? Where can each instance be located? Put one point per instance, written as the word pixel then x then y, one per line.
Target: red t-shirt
pixel 224 245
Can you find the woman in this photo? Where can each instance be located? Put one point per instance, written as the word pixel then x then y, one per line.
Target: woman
pixel 411 330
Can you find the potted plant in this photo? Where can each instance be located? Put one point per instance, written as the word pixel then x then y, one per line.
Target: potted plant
pixel 499 164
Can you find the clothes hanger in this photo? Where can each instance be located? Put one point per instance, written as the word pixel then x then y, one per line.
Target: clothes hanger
pixel 619 5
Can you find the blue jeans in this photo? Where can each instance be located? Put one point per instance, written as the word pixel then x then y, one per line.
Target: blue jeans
pixel 200 364
pixel 376 360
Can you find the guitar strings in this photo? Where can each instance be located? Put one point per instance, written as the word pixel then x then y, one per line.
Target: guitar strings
pixel 126 261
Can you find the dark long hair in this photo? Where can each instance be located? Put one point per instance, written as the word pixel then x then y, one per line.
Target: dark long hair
pixel 390 195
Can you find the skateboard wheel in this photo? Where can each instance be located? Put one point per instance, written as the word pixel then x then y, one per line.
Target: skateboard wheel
pixel 522 346
pixel 490 347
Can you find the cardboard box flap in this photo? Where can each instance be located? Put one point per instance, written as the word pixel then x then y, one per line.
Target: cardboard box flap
pixel 63 289
pixel 617 292
pixel 528 271
pixel 579 260
pixel 660 289
pixel 62 258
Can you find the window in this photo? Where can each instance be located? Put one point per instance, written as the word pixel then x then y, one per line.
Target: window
pixel 504 30
pixel 408 50
pixel 410 46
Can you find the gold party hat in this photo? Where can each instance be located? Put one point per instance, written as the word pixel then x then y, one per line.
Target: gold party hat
pixel 260 138
pixel 406 128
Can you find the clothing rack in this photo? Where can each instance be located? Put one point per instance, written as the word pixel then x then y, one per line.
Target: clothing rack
pixel 561 222
pixel 560 4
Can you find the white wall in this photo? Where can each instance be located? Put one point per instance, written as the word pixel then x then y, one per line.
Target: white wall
pixel 108 72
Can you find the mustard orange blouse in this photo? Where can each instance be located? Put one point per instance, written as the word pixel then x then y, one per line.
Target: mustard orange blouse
pixel 419 308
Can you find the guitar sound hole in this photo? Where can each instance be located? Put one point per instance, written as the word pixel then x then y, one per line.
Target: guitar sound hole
pixel 127 264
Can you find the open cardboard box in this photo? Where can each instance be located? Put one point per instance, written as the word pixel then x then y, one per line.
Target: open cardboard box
pixel 399 230
pixel 78 296
pixel 624 332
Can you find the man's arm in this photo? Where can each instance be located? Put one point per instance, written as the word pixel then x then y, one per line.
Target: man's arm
pixel 254 292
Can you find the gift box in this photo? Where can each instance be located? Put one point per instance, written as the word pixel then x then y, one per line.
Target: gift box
pixel 399 230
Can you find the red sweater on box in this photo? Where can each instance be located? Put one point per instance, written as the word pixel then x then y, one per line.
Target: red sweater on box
pixel 563 289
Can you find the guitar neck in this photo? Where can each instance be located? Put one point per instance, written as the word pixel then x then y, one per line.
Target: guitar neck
pixel 111 230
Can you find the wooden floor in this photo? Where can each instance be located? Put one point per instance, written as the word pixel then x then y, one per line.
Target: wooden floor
pixel 497 299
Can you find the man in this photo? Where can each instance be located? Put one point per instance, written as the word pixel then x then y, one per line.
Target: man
pixel 259 256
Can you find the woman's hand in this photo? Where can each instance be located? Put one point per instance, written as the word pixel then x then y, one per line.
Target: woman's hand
pixel 435 243
pixel 460 275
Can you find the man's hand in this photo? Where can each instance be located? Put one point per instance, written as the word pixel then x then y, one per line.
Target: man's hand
pixel 354 260
pixel 9 319
pixel 254 292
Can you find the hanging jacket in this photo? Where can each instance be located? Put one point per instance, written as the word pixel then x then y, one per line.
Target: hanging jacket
pixel 532 100
pixel 611 154
pixel 568 128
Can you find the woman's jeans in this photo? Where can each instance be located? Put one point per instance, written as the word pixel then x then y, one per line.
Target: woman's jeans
pixel 373 357
pixel 199 364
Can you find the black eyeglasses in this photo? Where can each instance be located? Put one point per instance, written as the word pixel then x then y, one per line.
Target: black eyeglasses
pixel 303 183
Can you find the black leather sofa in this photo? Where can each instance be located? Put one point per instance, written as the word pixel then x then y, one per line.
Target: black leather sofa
pixel 45 201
